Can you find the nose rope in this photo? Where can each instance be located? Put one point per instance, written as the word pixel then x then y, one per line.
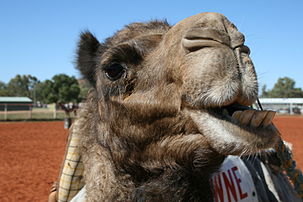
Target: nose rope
pixel 259 104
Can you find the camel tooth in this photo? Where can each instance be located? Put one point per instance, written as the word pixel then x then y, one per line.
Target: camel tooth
pixel 268 118
pixel 237 114
pixel 246 116
pixel 258 118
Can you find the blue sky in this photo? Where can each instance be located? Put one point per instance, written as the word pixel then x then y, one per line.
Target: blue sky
pixel 39 37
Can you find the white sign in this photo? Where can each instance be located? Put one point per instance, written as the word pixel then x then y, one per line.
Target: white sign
pixel 233 182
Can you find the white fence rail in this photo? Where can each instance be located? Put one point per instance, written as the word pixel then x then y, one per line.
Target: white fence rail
pixel 26 112
pixel 283 105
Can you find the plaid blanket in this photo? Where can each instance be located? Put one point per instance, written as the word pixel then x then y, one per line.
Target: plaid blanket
pixel 71 175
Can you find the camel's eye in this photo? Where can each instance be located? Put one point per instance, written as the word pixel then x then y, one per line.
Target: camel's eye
pixel 114 71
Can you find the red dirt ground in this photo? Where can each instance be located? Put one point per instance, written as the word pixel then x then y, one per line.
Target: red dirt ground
pixel 291 128
pixel 31 154
pixel 30 158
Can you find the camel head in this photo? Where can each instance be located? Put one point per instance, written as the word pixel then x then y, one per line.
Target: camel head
pixel 168 86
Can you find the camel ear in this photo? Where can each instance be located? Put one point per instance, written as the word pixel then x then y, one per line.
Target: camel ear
pixel 87 56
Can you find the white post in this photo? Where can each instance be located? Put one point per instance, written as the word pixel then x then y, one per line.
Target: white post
pixel 5 112
pixel 30 111
pixel 290 109
pixel 55 112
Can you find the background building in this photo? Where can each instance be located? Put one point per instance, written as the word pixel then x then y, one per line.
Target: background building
pixel 283 105
pixel 15 104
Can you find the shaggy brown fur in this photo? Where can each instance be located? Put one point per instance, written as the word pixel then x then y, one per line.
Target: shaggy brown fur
pixel 155 126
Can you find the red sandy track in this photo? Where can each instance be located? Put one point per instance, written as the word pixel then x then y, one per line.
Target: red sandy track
pixel 291 128
pixel 30 158
pixel 31 154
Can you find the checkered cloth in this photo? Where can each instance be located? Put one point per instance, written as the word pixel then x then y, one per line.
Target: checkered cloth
pixel 71 176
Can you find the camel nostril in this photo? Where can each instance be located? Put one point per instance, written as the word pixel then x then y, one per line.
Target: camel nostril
pixel 245 49
pixel 198 38
pixel 197 44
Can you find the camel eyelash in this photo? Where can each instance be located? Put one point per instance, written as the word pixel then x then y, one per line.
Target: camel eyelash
pixel 123 53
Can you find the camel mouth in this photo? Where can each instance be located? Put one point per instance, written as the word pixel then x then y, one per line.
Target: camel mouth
pixel 244 116
pixel 236 129
pixel 229 110
pixel 235 107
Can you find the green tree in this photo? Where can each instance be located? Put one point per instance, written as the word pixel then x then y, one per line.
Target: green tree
pixel 3 89
pixel 44 92
pixel 62 88
pixel 284 88
pixel 264 92
pixel 22 85
pixel 66 88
